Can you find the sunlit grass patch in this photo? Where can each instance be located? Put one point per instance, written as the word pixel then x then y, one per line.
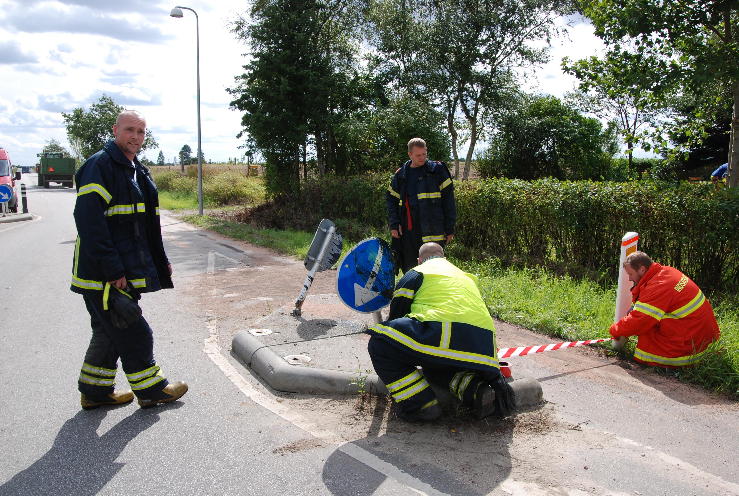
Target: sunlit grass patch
pixel 177 201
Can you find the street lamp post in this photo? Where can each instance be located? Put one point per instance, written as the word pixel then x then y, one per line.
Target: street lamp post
pixel 177 12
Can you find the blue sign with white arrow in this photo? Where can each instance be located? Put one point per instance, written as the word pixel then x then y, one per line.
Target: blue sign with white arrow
pixel 366 277
pixel 6 193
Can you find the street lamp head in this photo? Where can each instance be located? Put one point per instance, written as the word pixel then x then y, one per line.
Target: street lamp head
pixel 176 12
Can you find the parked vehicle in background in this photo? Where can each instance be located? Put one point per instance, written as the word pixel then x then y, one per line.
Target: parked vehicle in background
pixel 8 177
pixel 54 167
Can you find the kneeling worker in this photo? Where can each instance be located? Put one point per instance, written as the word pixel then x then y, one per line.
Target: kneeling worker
pixel 439 321
pixel 674 322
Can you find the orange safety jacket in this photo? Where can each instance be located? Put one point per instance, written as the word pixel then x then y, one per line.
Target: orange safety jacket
pixel 672 318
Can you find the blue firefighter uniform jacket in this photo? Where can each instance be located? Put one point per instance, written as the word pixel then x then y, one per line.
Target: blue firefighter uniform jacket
pixel 437 213
pixel 117 218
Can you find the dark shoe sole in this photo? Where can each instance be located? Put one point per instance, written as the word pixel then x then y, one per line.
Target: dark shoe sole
pixel 152 403
pixel 147 403
pixel 98 404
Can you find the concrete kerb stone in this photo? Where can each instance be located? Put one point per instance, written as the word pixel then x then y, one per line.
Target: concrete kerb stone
pixel 15 218
pixel 281 376
pixel 527 393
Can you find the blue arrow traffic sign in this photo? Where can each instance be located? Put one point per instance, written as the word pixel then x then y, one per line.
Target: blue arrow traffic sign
pixel 6 193
pixel 366 276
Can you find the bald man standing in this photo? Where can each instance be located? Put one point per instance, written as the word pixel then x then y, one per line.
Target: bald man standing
pixel 119 254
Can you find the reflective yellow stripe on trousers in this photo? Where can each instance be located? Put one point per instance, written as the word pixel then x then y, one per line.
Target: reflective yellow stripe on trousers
pixel 674 362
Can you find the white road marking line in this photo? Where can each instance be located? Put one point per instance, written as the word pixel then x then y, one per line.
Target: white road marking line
pixel 213 350
pixel 212 261
pixel 237 262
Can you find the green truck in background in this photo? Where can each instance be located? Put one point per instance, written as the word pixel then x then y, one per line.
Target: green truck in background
pixel 54 167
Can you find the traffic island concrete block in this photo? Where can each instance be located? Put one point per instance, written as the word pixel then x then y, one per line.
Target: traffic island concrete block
pixel 324 352
pixel 527 393
pixel 15 217
pixel 295 378
pixel 281 376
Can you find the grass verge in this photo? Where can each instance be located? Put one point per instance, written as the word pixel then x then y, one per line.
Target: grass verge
pixel 295 243
pixel 177 201
pixel 558 306
pixel 222 185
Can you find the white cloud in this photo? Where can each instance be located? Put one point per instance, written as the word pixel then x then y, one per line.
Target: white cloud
pixel 108 5
pixel 55 103
pixel 57 17
pixel 12 53
pixel 61 55
pixel 578 41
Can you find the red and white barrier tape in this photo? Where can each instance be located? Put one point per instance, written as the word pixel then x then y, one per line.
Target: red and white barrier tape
pixel 529 350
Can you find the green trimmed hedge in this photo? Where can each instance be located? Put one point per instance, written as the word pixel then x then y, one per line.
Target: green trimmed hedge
pixel 572 226
pixel 575 224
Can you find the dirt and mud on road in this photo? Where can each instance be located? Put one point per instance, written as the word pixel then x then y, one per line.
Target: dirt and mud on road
pixel 606 427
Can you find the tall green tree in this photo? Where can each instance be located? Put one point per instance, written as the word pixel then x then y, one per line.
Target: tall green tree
pixel 194 160
pixel 463 54
pixel 299 85
pixel 160 158
pixel 89 130
pixel 712 147
pixel 616 93
pixel 274 91
pixel 691 45
pixel 53 146
pixel 185 155
pixel 377 138
pixel 543 137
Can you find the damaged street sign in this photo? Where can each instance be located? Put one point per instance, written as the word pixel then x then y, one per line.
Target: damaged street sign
pixel 366 278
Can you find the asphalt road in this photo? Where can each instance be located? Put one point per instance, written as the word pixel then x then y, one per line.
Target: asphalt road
pixel 606 429
pixel 218 440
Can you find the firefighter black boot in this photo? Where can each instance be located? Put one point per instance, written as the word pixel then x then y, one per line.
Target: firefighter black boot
pixel 427 413
pixel 171 392
pixel 114 398
pixel 483 402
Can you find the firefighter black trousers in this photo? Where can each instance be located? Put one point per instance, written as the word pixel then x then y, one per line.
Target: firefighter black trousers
pixel 134 346
pixel 397 367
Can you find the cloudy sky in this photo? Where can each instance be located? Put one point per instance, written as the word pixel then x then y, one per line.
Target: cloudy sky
pixel 59 55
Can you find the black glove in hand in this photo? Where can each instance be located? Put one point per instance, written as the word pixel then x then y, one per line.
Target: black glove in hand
pixel 124 310
pixel 505 401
